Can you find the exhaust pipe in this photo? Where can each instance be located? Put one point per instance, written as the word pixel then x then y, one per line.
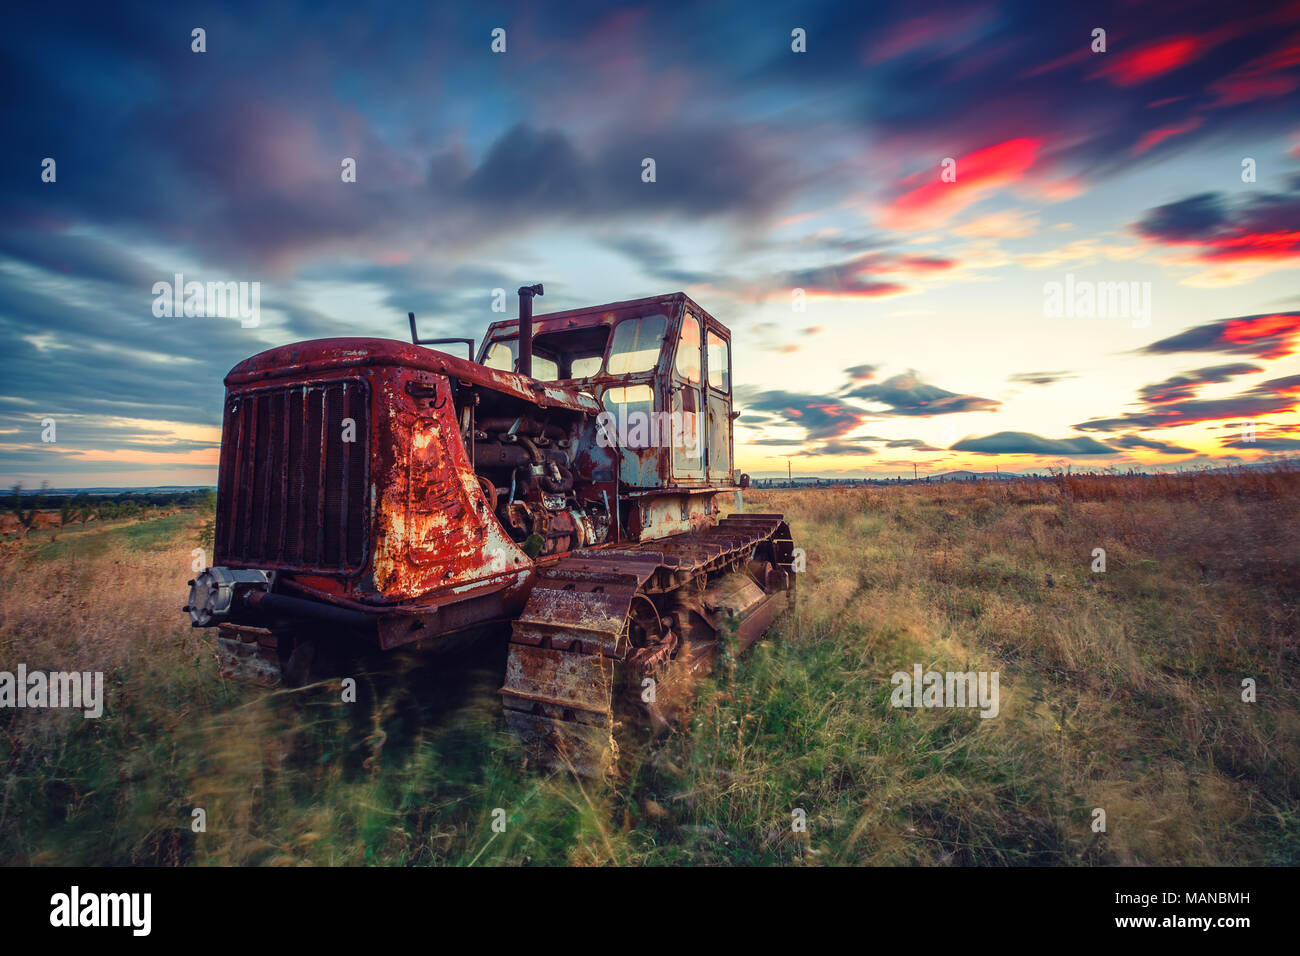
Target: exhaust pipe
pixel 526 293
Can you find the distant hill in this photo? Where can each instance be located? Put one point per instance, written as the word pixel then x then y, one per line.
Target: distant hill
pixel 976 475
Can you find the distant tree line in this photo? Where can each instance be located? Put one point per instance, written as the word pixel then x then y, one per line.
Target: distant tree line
pixel 81 507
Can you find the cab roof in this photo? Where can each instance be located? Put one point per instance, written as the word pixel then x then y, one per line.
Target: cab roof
pixel 589 316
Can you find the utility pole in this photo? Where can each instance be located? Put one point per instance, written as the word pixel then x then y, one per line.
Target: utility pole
pixel 789 471
pixel 914 471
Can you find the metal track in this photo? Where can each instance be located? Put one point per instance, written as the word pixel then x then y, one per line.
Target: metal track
pixel 563 671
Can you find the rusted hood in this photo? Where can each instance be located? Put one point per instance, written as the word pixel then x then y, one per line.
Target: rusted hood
pixel 303 359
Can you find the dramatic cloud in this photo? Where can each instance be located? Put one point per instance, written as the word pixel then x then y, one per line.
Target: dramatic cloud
pixel 1137 441
pixel 1264 444
pixel 819 415
pixel 530 174
pixel 1276 395
pixel 911 443
pixel 1153 138
pixel 1148 61
pixel 862 276
pixel 1040 378
pixel 856 445
pixel 839 448
pixel 1264 228
pixel 929 199
pixel 861 373
pixel 1267 336
pixel 1023 443
pixel 905 394
pixel 1271 75
pixel 1185 386
pixel 655 259
pixel 929 36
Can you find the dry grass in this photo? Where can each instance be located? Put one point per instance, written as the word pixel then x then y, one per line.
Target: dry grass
pixel 1119 690
pixel 1128 680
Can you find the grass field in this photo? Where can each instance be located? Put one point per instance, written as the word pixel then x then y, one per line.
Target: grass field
pixel 1119 690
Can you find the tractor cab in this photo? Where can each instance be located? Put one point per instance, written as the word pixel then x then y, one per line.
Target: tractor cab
pixel 661 369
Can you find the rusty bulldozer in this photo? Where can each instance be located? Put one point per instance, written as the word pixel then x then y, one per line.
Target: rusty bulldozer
pixel 559 487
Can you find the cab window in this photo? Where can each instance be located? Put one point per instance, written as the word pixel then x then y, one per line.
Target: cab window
pixel 688 350
pixel 630 405
pixel 585 366
pixel 501 355
pixel 719 363
pixel 578 353
pixel 636 345
pixel 545 369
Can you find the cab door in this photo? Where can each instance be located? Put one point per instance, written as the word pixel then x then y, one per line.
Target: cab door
pixel 718 436
pixel 688 405
pixel 636 357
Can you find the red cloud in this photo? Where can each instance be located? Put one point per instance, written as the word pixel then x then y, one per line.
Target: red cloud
pixel 1282 244
pixel 1268 336
pixel 855 289
pixel 862 277
pixel 931 199
pixel 1194 413
pixel 1281 326
pixel 1155 59
pixel 1266 229
pixel 1262 77
pixel 1252 404
pixel 906 37
pixel 1234 90
pixel 946 31
pixel 1182 387
pixel 1155 137
pixel 922 264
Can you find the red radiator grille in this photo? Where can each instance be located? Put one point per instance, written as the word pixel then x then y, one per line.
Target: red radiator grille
pixel 292 493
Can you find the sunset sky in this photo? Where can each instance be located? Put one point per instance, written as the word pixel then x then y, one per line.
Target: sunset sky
pixel 926 333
